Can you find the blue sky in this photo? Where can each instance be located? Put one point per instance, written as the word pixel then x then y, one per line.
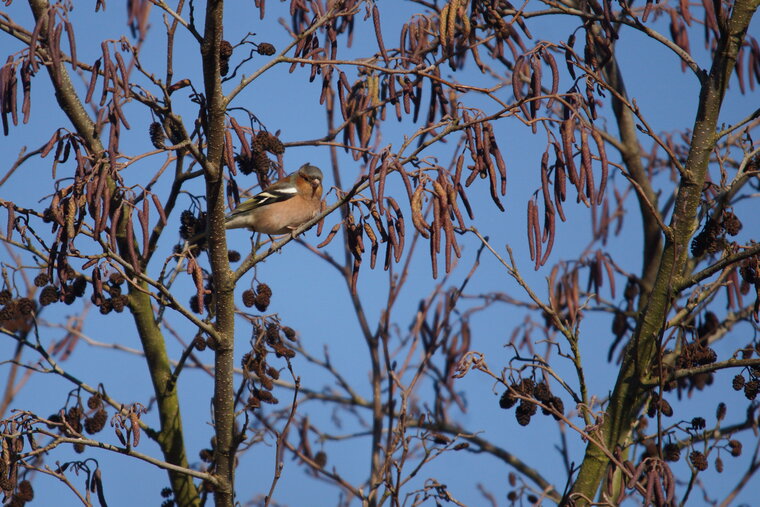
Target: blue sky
pixel 319 306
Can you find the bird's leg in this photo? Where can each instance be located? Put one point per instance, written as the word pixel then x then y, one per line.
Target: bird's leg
pixel 293 231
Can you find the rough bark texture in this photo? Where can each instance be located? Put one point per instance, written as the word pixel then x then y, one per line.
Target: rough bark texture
pixel 223 307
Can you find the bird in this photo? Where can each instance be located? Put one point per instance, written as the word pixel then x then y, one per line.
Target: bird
pixel 283 206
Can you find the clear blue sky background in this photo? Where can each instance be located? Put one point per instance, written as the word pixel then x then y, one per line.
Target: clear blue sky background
pixel 320 308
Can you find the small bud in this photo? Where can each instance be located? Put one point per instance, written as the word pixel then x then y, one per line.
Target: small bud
pixel 721 411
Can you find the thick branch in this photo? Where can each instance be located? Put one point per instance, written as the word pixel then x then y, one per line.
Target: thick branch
pixel 224 284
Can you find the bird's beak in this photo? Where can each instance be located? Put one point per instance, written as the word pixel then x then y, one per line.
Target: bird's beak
pixel 315 183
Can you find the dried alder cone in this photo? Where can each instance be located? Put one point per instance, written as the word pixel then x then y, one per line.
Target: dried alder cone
pixel 260 375
pixel 525 390
pixel 260 298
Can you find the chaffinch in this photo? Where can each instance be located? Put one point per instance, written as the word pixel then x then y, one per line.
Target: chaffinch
pixel 283 206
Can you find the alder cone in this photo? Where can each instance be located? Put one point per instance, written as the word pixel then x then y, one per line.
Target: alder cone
pixel 698 460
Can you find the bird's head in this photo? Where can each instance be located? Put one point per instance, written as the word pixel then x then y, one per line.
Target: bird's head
pixel 312 174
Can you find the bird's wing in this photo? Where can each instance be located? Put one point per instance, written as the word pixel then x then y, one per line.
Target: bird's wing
pixel 278 192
